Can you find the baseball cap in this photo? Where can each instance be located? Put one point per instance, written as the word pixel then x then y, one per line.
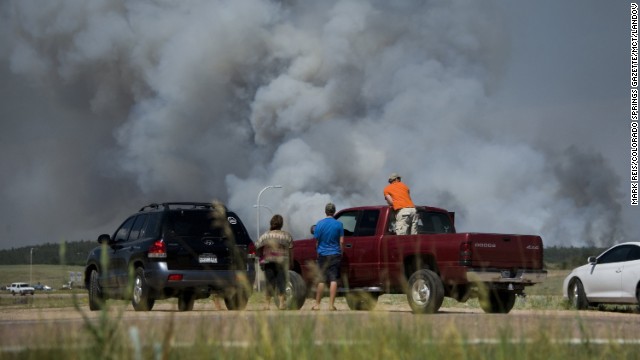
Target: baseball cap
pixel 394 176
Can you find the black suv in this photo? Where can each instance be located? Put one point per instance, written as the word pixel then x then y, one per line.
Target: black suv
pixel 184 250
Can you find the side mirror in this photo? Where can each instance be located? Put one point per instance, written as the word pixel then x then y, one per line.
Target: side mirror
pixel 104 238
pixel 592 260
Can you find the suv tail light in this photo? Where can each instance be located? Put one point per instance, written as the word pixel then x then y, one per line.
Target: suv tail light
pixel 157 250
pixel 251 251
pixel 465 253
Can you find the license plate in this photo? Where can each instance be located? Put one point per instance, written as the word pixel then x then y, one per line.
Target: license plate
pixel 208 259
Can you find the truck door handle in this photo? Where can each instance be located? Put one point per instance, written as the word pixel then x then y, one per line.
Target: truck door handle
pixel 348 245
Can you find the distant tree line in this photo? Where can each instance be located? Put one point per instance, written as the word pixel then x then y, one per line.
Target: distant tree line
pixel 569 257
pixel 75 253
pixel 71 253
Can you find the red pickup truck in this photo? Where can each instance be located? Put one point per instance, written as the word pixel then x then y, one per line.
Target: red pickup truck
pixel 435 263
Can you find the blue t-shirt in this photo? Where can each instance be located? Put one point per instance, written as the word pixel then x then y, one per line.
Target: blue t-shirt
pixel 328 232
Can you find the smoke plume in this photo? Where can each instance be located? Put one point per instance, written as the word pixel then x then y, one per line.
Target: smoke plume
pixel 109 105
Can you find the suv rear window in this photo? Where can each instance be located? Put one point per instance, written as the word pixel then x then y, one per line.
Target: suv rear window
pixel 186 223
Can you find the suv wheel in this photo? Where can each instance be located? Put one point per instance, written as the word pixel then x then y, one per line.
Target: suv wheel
pixel 186 300
pixel 96 300
pixel 140 299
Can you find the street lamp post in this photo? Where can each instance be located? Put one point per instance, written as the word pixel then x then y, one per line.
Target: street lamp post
pixel 264 206
pixel 31 267
pixel 257 206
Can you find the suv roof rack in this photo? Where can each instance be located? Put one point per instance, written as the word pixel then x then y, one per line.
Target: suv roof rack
pixel 177 205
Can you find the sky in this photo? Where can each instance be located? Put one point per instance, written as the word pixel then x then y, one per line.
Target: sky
pixel 515 115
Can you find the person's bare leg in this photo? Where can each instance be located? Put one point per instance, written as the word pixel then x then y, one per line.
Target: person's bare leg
pixel 333 289
pixel 283 302
pixel 319 291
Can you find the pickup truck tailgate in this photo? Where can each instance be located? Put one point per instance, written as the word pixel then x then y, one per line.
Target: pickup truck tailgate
pixel 503 251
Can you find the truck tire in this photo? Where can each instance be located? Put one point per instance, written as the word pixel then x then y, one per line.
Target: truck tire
pixel 296 292
pixel 140 298
pixel 498 301
pixel 425 293
pixel 96 299
pixel 577 297
pixel 362 300
pixel 186 301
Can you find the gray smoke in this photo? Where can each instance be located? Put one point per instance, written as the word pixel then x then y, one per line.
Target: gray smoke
pixel 110 105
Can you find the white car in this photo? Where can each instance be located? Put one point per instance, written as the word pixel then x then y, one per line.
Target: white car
pixel 611 278
pixel 21 288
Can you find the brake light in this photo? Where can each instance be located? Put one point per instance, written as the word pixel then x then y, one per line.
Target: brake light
pixel 251 251
pixel 465 253
pixel 175 277
pixel 157 250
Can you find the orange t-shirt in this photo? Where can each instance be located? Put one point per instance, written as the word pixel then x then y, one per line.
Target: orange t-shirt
pixel 400 194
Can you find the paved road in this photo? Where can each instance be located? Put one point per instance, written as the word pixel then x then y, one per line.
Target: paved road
pixel 54 326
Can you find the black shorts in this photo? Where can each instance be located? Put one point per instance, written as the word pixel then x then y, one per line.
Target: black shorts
pixel 330 267
pixel 276 278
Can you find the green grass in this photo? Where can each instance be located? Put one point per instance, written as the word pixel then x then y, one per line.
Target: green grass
pixel 52 275
pixel 547 295
pixel 279 335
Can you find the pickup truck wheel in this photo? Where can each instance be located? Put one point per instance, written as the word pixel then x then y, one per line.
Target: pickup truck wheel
pixel 295 292
pixel 361 300
pixel 577 297
pixel 236 299
pixel 425 293
pixel 186 301
pixel 498 302
pixel 96 299
pixel 141 300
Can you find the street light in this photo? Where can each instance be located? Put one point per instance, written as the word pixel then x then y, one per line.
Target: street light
pixel 264 206
pixel 31 267
pixel 257 206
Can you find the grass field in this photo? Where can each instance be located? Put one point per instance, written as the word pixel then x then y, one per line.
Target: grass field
pixel 274 335
pixel 547 295
pixel 52 275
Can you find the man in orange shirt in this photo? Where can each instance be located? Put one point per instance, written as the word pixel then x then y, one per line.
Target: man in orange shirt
pixel 397 196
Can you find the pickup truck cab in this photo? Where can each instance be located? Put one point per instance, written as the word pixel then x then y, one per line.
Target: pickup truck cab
pixel 435 263
pixel 21 288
